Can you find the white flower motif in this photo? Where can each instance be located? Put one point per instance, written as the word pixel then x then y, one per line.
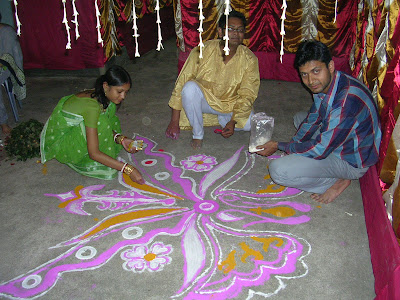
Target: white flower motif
pixel 140 258
pixel 199 163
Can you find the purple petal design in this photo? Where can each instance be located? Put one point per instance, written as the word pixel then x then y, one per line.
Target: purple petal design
pixel 250 260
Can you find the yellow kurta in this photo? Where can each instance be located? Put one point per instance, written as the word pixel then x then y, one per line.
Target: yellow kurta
pixel 231 87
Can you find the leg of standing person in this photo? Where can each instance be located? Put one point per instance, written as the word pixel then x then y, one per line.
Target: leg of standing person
pixel 6 129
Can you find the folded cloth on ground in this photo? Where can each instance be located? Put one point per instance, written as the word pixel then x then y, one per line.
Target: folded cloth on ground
pixel 17 75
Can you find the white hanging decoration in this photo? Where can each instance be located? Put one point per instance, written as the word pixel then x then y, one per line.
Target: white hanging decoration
pixel 226 37
pixel 98 26
pixel 201 18
pixel 159 45
pixel 283 18
pixel 17 18
pixel 135 29
pixel 67 28
pixel 75 20
pixel 334 21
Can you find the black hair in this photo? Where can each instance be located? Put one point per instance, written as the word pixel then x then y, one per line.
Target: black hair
pixel 114 76
pixel 232 14
pixel 309 50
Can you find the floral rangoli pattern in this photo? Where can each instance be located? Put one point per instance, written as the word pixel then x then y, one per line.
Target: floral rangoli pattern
pixel 199 163
pixel 177 222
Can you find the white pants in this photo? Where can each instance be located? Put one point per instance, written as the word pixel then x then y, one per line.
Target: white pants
pixel 195 105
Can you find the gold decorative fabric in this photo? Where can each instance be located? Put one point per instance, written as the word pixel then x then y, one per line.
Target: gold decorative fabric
pixel 293 25
pixel 309 18
pixel 109 31
pixel 396 212
pixel 388 171
pixel 210 22
pixel 231 87
pixel 392 173
pixel 178 25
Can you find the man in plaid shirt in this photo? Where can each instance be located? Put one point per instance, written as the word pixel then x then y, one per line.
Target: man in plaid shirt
pixel 337 140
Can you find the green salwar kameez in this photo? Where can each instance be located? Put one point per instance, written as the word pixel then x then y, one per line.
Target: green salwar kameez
pixel 64 138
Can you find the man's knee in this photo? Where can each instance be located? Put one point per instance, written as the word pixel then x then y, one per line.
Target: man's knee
pixel 299 118
pixel 277 172
pixel 189 91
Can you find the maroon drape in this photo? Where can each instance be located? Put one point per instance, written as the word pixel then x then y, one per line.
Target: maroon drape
pixel 147 29
pixel 263 33
pixel 190 23
pixel 264 25
pixel 43 36
pixel 385 251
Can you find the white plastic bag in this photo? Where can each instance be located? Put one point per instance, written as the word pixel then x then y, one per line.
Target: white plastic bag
pixel 262 127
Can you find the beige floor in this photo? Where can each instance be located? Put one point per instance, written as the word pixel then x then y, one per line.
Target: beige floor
pixel 43 254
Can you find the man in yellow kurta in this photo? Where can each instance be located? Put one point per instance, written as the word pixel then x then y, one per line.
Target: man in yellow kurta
pixel 220 87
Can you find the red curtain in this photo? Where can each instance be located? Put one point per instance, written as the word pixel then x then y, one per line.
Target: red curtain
pixel 44 37
pixel 264 26
pixel 385 251
pixel 147 29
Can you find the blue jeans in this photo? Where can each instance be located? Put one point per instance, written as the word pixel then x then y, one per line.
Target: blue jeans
pixel 195 105
pixel 308 174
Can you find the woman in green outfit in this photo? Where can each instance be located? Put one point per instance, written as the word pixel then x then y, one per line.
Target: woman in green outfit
pixel 84 132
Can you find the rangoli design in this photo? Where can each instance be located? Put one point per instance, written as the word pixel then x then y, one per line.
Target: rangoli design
pixel 177 221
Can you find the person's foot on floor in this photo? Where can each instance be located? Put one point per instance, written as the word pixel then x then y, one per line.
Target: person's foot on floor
pixel 333 192
pixel 196 144
pixel 6 129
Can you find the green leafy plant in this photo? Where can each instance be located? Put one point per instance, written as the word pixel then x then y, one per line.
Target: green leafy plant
pixel 24 140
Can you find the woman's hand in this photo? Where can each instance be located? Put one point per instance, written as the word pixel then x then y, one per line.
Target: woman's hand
pixel 136 176
pixel 126 144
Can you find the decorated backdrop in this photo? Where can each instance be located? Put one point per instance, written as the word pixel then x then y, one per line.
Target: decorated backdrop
pixel 334 23
pixel 71 35
pixel 376 63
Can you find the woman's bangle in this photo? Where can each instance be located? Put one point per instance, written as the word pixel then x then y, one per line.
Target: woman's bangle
pixel 123 167
pixel 115 136
pixel 119 139
pixel 128 169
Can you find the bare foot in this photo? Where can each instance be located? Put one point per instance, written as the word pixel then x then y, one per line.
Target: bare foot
pixel 196 144
pixel 6 129
pixel 333 192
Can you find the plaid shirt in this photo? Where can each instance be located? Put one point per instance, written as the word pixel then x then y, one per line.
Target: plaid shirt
pixel 348 125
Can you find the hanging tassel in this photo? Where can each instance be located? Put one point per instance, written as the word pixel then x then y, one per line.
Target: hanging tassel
pixel 283 18
pixel 159 45
pixel 98 26
pixel 65 21
pixel 17 18
pixel 135 29
pixel 201 18
pixel 226 37
pixel 334 21
pixel 75 21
